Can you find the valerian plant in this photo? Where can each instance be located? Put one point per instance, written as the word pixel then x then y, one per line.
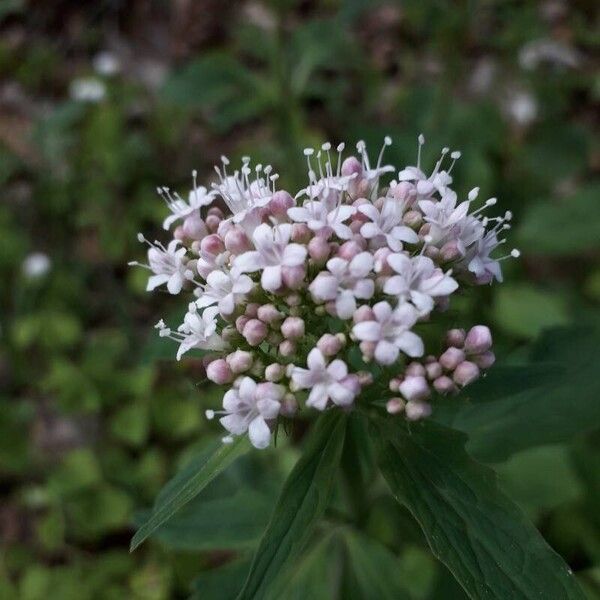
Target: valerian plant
pixel 316 302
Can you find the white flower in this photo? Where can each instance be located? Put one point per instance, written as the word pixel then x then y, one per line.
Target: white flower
pixel 248 408
pixel 344 282
pixel 228 289
pixel 273 251
pixel 181 209
pixel 168 265
pixel 319 216
pixel 444 214
pixel 242 194
pixel 479 261
pixel 387 224
pixel 418 280
pixel 324 381
pixel 439 180
pixel 391 332
pixel 196 331
pixel 87 89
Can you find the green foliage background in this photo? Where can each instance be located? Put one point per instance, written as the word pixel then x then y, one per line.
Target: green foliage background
pixel 95 416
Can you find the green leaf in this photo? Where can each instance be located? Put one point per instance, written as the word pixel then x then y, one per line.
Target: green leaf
pixel 375 568
pixel 549 400
pixel 564 227
pixel 222 583
pixel 471 526
pixel 230 522
pixel 188 484
pixel 302 501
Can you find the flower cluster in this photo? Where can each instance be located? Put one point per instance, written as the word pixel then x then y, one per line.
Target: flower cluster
pixel 311 300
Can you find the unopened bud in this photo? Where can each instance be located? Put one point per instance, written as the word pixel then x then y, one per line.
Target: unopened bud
pixel 455 337
pixel 279 204
pixel 267 313
pixel 240 323
pixel 348 250
pixel 451 358
pixel 255 332
pixel 395 406
pixel 318 249
pixel 404 191
pixel 218 371
pixel 289 405
pixel 212 244
pixel 363 313
pixel 414 388
pixel 329 344
pixel 394 384
pixel 381 265
pixel 450 251
pixel 444 385
pixel 415 369
pixel 301 234
pixel 466 372
pixel 236 241
pixel 365 378
pixel 251 310
pixel 239 361
pixel 194 227
pixel 351 166
pixel 413 219
pixel 417 410
pixel 212 223
pixel 287 348
pixel 293 300
pixel 479 339
pixel 368 350
pixel 293 277
pixel 292 328
pixel 433 370
pixel 484 360
pixel 274 372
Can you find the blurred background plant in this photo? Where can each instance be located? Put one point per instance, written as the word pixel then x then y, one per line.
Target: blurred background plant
pixel 102 101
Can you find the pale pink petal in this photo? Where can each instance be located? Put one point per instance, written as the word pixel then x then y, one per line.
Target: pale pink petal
pixel 248 262
pixel 383 311
pixel 385 352
pixel 259 433
pixel 271 278
pixel 337 369
pixel 410 343
pixel 367 331
pixel 294 255
pixel 315 360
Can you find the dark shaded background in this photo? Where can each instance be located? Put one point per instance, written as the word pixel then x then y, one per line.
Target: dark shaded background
pixel 102 101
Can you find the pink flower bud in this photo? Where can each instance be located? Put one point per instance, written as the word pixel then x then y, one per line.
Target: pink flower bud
pixel 218 371
pixel 179 234
pixel 379 203
pixel 236 241
pixel 394 384
pixel 479 339
pixel 255 332
pixel 274 372
pixel 361 241
pixel 212 244
pixel 301 234
pixel 279 204
pixel 368 350
pixel 251 310
pixel 240 323
pixel 450 251
pixel 348 250
pixel 287 348
pixel 417 410
pixel 293 277
pixel 292 328
pixel 444 385
pixel 363 313
pixel 484 360
pixel 465 373
pixel 433 370
pixel 212 223
pixel 289 405
pixel 215 210
pixel 293 300
pixel 414 388
pixel 355 226
pixel 415 369
pixel 403 191
pixel 413 219
pixel 432 252
pixel 365 378
pixel 395 406
pixel 267 313
pixel 455 337
pixel 194 227
pixel 318 249
pixel 239 361
pixel 329 344
pixel 352 166
pixel 451 358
